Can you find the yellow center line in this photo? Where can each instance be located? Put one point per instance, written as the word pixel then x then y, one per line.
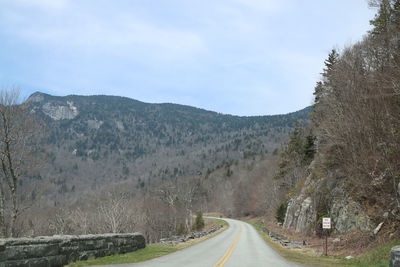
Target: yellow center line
pixel 221 262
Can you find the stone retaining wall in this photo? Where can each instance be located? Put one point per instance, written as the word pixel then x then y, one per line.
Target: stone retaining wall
pixel 283 240
pixel 57 251
pixel 395 257
pixel 183 238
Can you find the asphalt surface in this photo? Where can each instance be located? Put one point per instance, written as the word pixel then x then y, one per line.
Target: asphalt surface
pixel 238 246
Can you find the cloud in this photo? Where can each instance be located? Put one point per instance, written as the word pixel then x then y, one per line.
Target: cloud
pixel 134 33
pixel 90 32
pixel 43 4
pixel 262 5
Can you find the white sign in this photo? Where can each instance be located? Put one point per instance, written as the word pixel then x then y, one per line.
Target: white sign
pixel 326 223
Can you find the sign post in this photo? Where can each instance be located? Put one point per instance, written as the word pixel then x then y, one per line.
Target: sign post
pixel 326 225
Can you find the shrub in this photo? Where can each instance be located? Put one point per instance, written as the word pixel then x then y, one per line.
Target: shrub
pixel 181 229
pixel 199 222
pixel 281 212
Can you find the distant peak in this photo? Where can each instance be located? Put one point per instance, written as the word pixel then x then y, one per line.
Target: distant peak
pixel 36 97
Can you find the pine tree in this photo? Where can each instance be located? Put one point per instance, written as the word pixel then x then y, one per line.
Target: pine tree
pixel 395 21
pixel 281 212
pixel 309 149
pixel 321 87
pixel 395 17
pixel 318 92
pixel 382 18
pixel 330 63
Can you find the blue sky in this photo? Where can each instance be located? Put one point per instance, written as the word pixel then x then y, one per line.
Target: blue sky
pixel 242 57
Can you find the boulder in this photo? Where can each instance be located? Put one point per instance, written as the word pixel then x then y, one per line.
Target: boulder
pixel 378 228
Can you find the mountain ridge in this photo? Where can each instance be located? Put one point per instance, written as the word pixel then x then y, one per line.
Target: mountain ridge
pixel 38 94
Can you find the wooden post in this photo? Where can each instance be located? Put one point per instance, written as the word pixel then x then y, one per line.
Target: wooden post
pixel 326 243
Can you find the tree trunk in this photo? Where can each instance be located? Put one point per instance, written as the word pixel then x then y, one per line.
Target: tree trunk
pixel 3 230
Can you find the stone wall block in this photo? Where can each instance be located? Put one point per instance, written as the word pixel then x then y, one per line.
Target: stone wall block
pixel 395 257
pixel 57 251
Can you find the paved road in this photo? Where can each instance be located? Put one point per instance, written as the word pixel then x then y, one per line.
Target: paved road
pixel 238 246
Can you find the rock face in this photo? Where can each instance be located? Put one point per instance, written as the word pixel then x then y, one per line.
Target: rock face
pixel 57 251
pixel 301 213
pixel 395 257
pixel 347 215
pixel 60 112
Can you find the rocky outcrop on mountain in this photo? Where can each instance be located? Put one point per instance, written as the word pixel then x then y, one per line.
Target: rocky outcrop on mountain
pixel 301 211
pixel 320 198
pixel 347 216
pixel 60 112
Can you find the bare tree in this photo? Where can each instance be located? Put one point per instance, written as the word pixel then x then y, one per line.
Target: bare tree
pixel 116 214
pixel 60 223
pixel 18 133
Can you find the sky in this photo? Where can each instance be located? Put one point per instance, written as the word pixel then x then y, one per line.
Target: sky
pixel 240 57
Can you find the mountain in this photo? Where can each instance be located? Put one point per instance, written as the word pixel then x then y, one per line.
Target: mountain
pixel 95 141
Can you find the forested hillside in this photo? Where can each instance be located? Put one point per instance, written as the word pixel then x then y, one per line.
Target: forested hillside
pixel 346 163
pixel 113 164
pixel 146 142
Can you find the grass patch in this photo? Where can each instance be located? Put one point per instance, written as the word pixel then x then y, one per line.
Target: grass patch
pixel 151 251
pixel 377 257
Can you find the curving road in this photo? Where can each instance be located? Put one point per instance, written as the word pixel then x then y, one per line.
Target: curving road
pixel 238 246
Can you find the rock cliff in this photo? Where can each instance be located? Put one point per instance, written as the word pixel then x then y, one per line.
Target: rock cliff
pixel 321 197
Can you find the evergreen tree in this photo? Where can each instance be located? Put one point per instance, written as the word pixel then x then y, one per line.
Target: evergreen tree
pixel 318 92
pixel 330 63
pixel 309 149
pixel 395 17
pixel 281 212
pixel 322 86
pixel 199 222
pixel 382 18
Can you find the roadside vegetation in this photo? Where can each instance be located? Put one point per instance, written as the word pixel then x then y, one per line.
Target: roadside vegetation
pixel 153 250
pixel 349 153
pixel 377 257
